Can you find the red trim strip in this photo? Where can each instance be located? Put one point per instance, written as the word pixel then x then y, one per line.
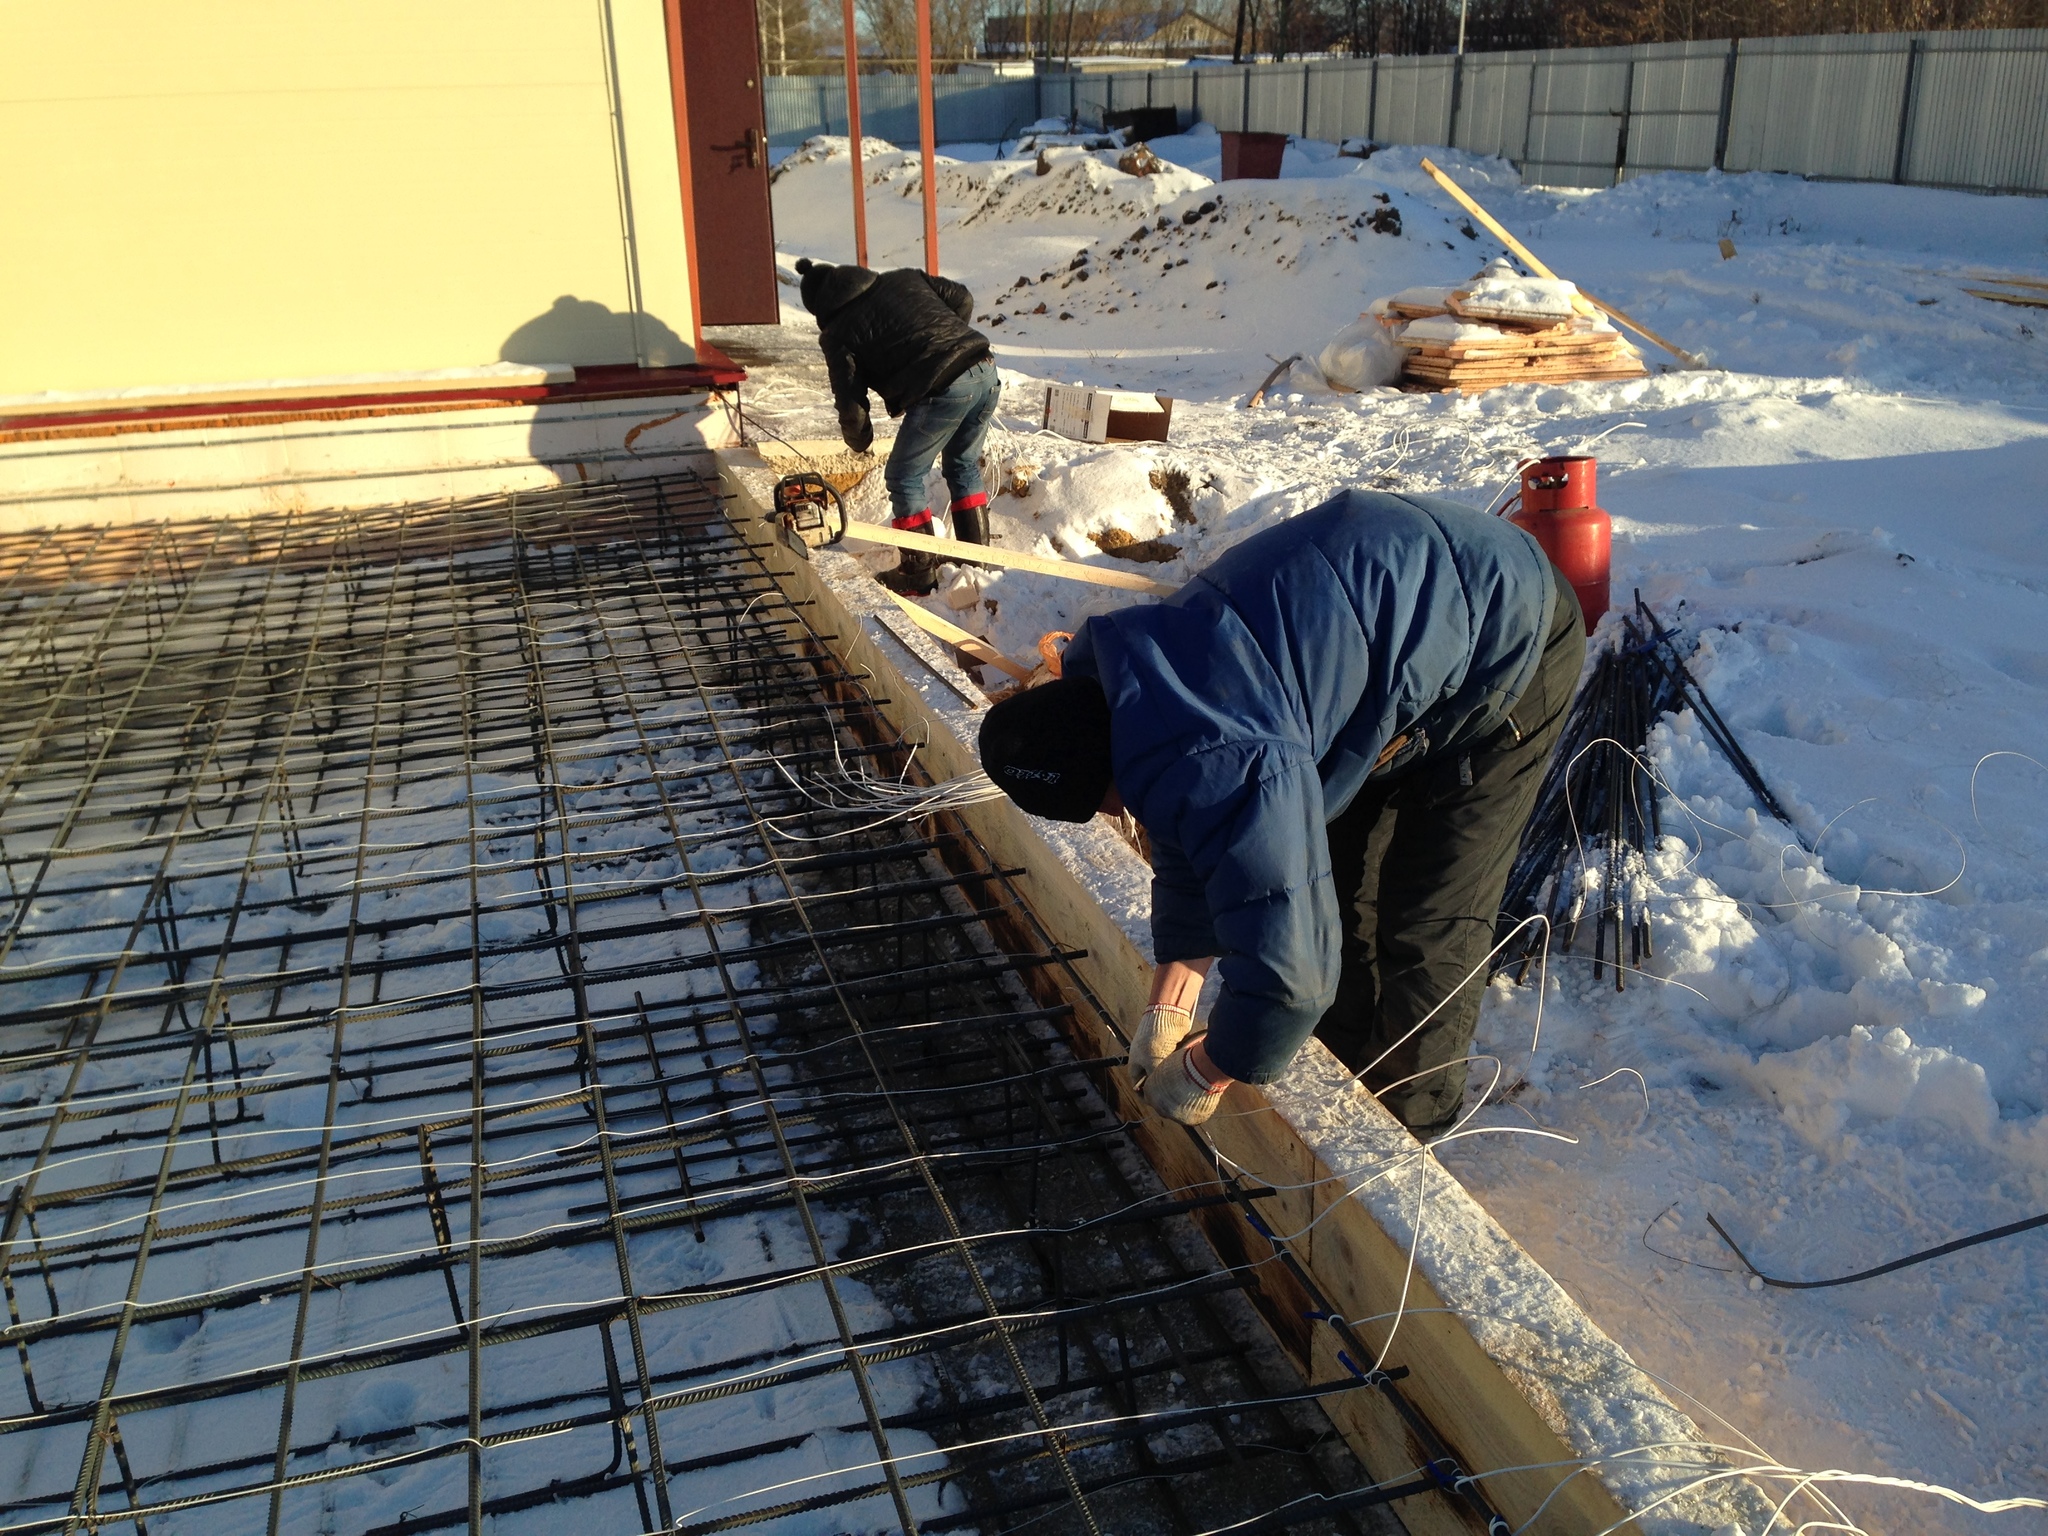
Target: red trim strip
pixel 611 382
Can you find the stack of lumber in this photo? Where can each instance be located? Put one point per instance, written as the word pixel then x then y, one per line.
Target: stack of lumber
pixel 1502 329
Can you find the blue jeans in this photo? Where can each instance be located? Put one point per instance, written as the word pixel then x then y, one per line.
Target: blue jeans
pixel 951 423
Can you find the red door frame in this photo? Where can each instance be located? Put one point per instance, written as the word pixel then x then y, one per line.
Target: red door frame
pixel 672 15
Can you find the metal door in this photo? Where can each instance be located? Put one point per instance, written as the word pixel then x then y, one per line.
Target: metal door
pixel 729 163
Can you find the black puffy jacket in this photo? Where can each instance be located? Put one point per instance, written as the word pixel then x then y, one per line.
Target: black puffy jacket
pixel 902 334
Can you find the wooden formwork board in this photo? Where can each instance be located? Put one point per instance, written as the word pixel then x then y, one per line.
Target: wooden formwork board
pixel 1506 1371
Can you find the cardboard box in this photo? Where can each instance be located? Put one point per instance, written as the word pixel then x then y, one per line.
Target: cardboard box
pixel 1106 415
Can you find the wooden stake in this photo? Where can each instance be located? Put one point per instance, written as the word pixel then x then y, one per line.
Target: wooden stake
pixel 1529 260
pixel 985 554
pixel 927 136
pixel 860 174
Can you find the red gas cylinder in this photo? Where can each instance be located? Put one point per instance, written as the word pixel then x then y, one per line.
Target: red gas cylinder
pixel 1557 507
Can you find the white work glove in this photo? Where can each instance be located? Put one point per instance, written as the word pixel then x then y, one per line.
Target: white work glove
pixel 1159 1034
pixel 1179 1091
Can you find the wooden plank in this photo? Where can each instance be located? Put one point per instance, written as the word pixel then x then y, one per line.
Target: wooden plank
pixel 1479 351
pixel 1526 375
pixel 1522 375
pixel 1012 559
pixel 959 638
pixel 2031 301
pixel 2010 282
pixel 1383 1442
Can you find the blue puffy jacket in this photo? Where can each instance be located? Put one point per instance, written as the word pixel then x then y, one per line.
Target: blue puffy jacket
pixel 1248 709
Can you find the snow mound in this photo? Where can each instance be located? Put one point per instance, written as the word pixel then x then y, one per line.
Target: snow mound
pixel 1081 190
pixel 830 146
pixel 1113 492
pixel 1212 246
pixel 1865 1077
pixel 1079 184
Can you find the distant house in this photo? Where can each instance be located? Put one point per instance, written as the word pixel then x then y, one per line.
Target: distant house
pixel 1167 31
pixel 1184 31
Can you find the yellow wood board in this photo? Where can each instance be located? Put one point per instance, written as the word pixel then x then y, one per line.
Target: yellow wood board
pixel 988 554
pixel 959 638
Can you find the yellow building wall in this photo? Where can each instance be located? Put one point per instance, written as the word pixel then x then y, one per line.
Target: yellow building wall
pixel 228 190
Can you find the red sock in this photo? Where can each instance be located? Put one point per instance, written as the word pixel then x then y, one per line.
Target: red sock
pixel 917 522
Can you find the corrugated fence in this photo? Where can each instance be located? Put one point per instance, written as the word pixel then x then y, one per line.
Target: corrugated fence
pixel 1940 109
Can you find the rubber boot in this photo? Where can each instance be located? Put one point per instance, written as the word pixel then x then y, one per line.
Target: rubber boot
pixel 969 515
pixel 916 573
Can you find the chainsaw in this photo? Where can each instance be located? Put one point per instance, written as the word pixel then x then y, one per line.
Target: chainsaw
pixel 803 505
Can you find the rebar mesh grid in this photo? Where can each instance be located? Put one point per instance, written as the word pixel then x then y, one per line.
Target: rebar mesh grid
pixel 457 1074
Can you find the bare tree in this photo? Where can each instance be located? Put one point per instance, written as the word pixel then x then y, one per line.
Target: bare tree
pixel 956 27
pixel 792 30
pixel 1592 22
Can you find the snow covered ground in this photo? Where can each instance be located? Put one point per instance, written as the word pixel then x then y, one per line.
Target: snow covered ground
pixel 1842 1054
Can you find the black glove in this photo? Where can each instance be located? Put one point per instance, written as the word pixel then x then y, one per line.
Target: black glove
pixel 856 430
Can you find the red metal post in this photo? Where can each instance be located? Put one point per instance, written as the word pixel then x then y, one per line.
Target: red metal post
pixel 927 135
pixel 860 174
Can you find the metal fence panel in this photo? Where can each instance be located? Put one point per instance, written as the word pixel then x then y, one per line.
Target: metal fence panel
pixel 1674 114
pixel 1278 99
pixel 1821 106
pixel 1176 88
pixel 1339 96
pixel 1493 104
pixel 964 110
pixel 1087 98
pixel 1979 112
pixel 1576 116
pixel 1956 109
pixel 801 106
pixel 1415 101
pixel 1225 94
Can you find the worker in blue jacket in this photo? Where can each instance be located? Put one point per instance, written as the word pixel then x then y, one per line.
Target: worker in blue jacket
pixel 1332 736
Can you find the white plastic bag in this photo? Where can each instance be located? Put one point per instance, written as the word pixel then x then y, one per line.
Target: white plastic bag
pixel 1364 355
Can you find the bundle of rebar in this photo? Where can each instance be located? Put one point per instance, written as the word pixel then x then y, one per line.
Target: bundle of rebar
pixel 1584 857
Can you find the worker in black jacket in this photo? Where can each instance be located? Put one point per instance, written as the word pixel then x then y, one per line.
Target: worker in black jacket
pixel 905 335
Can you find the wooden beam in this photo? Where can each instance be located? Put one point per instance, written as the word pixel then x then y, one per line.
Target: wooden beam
pixel 1016 560
pixel 1537 267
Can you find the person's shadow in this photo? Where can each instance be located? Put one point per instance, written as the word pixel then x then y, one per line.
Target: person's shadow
pixel 615 439
pixel 587 334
